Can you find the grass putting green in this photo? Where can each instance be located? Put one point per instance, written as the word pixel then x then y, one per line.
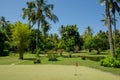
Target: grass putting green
pixel 53 72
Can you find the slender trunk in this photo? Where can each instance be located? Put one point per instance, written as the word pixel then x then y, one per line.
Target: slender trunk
pixel 37 39
pixel 21 55
pixel 21 50
pixel 114 30
pixel 109 29
pixel 37 36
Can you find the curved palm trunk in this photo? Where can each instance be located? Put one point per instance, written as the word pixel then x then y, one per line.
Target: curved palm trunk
pixel 109 29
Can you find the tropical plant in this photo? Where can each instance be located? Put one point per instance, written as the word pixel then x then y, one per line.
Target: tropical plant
pixel 20 37
pixel 70 37
pixel 110 62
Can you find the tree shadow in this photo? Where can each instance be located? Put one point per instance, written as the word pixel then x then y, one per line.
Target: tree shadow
pixel 29 58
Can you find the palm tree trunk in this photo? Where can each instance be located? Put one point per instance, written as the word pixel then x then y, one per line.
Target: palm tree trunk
pixel 37 39
pixel 109 29
pixel 114 30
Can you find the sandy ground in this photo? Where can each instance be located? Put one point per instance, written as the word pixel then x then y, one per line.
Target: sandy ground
pixel 52 72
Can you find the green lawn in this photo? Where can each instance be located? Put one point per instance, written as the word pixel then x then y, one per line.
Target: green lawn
pixel 28 60
pixel 53 72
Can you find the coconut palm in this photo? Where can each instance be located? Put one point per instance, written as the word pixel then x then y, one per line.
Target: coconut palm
pixel 107 11
pixel 114 8
pixel 88 32
pixel 104 20
pixel 37 11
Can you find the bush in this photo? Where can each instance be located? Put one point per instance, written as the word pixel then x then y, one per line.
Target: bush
pixel 52 56
pixel 83 57
pixel 110 62
pixel 37 60
pixel 70 55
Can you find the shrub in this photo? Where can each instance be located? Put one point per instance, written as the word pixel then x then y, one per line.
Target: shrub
pixel 83 57
pixel 110 62
pixel 52 56
pixel 70 55
pixel 37 60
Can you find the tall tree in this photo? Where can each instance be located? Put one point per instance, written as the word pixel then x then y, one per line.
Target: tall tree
pixel 39 11
pixel 107 11
pixel 70 37
pixel 20 37
pixel 114 8
pixel 100 41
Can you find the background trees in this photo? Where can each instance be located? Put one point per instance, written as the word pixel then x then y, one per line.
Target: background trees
pixel 100 42
pixel 70 37
pixel 4 45
pixel 20 37
pixel 87 37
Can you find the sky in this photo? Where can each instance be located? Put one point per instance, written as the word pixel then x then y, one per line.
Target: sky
pixel 83 13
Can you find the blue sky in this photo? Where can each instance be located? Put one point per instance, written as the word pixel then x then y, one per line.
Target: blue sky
pixel 83 13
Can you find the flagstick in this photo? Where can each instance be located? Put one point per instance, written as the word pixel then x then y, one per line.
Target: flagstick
pixel 76 66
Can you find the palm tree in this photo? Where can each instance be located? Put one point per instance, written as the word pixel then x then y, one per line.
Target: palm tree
pixel 104 20
pixel 114 7
pixel 45 27
pixel 37 11
pixel 88 32
pixel 107 11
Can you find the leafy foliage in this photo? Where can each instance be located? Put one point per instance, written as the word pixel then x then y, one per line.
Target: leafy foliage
pixel 87 36
pixel 100 42
pixel 52 56
pixel 4 44
pixel 20 36
pixel 110 62
pixel 70 37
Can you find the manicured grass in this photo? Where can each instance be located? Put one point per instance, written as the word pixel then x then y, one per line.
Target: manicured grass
pixel 29 58
pixel 53 72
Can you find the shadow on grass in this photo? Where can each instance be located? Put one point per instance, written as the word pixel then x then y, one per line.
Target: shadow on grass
pixel 29 59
